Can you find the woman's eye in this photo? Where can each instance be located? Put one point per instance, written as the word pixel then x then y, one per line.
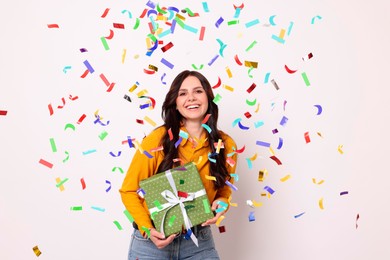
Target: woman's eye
pixel 182 94
pixel 199 91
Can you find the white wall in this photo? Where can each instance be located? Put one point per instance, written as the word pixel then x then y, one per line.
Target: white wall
pixel 348 76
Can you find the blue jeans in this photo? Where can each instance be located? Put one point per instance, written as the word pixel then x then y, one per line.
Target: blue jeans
pixel 142 248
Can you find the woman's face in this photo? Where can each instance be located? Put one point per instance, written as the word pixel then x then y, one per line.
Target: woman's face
pixel 191 101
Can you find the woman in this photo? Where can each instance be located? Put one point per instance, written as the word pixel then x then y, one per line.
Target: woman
pixel 188 104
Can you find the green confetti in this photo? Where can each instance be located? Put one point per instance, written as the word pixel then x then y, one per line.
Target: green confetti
pixel 181 182
pixel 53 145
pixel 117 168
pixel 147 231
pixel 196 68
pixel 104 42
pixel 62 182
pixel 103 135
pixel 232 22
pixel 206 205
pixel 171 221
pixel 304 76
pixel 118 225
pixel 76 208
pixel 157 204
pixel 251 46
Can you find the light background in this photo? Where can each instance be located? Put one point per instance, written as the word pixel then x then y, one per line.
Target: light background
pixel 348 76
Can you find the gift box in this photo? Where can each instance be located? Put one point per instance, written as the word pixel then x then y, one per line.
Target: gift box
pixel 176 198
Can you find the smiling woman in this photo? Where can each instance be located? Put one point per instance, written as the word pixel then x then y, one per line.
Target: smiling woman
pixel 192 104
pixel 189 134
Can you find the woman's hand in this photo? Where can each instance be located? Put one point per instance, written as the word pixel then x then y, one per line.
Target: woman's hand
pixel 159 239
pixel 213 220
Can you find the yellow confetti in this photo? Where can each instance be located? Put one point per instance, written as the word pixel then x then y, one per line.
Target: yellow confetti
pixel 340 149
pixel 180 17
pixel 211 178
pixel 229 72
pixel 37 251
pixel 123 56
pixel 138 146
pixel 228 87
pixel 319 134
pixel 199 160
pixel 97 114
pixel 257 204
pixel 321 203
pixel 282 33
pixel 258 107
pixel 262 173
pixel 142 93
pixel 219 145
pixel 61 187
pixel 219 220
pixel 250 64
pixel 285 178
pixel 231 203
pixel 253 157
pixel 148 43
pixel 319 183
pixel 133 88
pixel 136 56
pixel 271 151
pixel 150 121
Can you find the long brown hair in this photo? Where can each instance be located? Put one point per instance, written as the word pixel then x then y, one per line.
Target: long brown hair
pixel 172 120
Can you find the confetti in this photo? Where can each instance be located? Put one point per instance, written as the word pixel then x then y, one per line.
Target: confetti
pixel 261 143
pixel 357 218
pixel 285 178
pixel 202 32
pixel 219 22
pixel 46 163
pixel 340 149
pixel 307 137
pixel 109 187
pixel 105 13
pixel 251 216
pixel 315 18
pixel 118 226
pixel 304 76
pixel 272 20
pixel 89 67
pixel 98 208
pixel 269 189
pixel 53 25
pixel 321 203
pixel 167 63
pixel 83 186
pixel 251 88
pixel 307 57
pixel 4 112
pixel 343 193
pixel 252 23
pixel 299 215
pixel 167 47
pixel 76 208
pixel 275 84
pixel 289 70
pixel 250 47
pixel 276 160
pixel 71 126
pixel 36 250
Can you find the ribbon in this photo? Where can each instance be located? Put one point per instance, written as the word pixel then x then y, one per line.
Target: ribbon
pixel 172 200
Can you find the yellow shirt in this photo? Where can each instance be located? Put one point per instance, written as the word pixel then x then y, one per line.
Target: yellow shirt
pixel 142 167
